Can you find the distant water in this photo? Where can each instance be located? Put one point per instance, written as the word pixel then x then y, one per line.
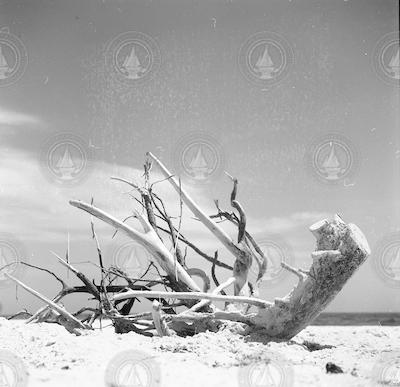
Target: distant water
pixel 388 319
pixel 385 319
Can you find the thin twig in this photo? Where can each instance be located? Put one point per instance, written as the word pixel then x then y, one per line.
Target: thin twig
pixel 296 272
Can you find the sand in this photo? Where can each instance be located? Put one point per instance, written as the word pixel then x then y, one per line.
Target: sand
pixel 54 357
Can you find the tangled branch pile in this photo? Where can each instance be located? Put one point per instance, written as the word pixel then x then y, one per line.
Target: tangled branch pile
pixel 340 250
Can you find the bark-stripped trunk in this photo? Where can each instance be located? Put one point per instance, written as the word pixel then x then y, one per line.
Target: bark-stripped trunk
pixel 340 251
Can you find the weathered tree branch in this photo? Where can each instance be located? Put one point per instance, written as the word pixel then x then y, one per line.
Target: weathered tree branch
pixel 240 251
pixel 216 291
pixel 192 296
pixel 148 240
pixel 69 317
pixel 340 250
pixel 210 224
pixel 90 286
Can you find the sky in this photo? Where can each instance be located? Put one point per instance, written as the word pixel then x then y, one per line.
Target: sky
pixel 297 99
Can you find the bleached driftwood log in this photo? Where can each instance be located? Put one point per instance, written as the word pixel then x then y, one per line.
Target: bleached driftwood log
pixel 340 251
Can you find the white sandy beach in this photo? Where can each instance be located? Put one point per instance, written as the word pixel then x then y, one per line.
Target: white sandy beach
pixel 54 357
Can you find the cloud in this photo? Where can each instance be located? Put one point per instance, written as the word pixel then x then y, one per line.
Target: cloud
pixel 33 208
pixel 286 224
pixel 12 118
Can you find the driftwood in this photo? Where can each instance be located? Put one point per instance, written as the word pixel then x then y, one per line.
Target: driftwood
pixel 64 317
pixel 340 249
pixel 149 240
pixel 241 252
pixel 191 296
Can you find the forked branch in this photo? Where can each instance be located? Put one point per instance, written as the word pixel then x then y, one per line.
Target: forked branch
pixel 240 251
pixel 149 240
pixel 222 236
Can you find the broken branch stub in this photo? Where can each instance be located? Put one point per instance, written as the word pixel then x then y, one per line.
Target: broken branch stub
pixel 340 251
